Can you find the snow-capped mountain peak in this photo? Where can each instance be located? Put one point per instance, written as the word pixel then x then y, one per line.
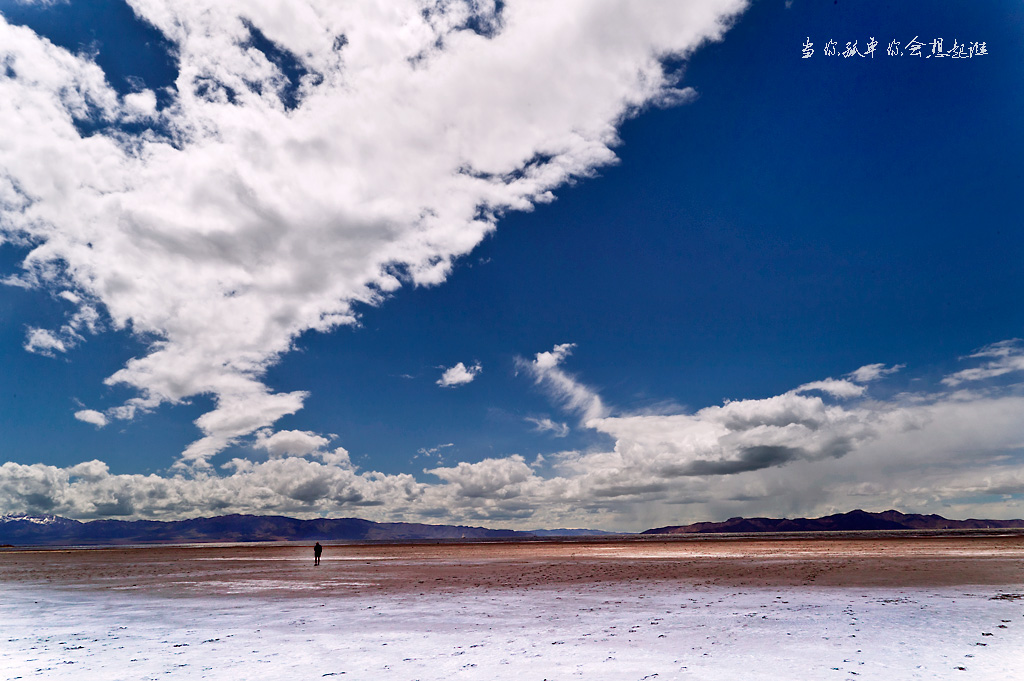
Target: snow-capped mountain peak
pixel 35 519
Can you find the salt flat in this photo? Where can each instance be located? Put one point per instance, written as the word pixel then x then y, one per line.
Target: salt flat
pixel 764 610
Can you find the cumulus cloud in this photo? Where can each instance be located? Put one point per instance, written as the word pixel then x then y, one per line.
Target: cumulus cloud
pixel 91 416
pixel 1003 357
pixel 292 485
pixel 289 442
pixel 740 436
pixel 490 478
pixel 43 342
pixel 459 374
pixel 795 452
pixel 954 452
pixel 260 202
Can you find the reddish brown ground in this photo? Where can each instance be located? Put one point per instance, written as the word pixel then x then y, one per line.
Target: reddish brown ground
pixel 287 569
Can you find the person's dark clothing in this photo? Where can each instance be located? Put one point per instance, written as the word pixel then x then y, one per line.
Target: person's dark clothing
pixel 317 550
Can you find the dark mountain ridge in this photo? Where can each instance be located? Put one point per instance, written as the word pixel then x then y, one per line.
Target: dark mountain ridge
pixel 840 522
pixel 24 530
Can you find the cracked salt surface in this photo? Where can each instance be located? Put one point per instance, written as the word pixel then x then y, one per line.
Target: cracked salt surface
pixel 598 631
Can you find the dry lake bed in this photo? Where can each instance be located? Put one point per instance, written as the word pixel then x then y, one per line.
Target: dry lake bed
pixel 795 607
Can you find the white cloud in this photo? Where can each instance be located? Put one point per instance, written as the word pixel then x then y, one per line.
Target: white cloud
pixel 873 372
pixel 795 453
pixel 836 388
pixel 239 223
pixel 947 452
pixel 43 342
pixel 289 442
pixel 91 416
pixel 243 406
pixel 432 451
pixel 291 485
pixel 91 471
pixel 1004 357
pixel 140 105
pixel 48 343
pixel 459 374
pixel 546 425
pixel 489 478
pixel 565 389
pixel 741 436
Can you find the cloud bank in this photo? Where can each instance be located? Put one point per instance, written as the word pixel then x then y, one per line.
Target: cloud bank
pixel 805 451
pixel 314 156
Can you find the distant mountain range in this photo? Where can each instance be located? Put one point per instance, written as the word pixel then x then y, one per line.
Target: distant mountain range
pixel 840 522
pixel 50 530
pixel 25 530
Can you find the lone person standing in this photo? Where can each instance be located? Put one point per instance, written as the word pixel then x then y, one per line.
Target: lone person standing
pixel 317 550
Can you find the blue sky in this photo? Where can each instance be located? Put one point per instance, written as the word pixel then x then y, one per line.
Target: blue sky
pixel 657 243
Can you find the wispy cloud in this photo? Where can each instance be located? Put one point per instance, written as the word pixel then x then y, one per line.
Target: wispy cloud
pixel 873 372
pixel 565 389
pixel 546 425
pixel 432 451
pixel 1003 358
pixel 831 386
